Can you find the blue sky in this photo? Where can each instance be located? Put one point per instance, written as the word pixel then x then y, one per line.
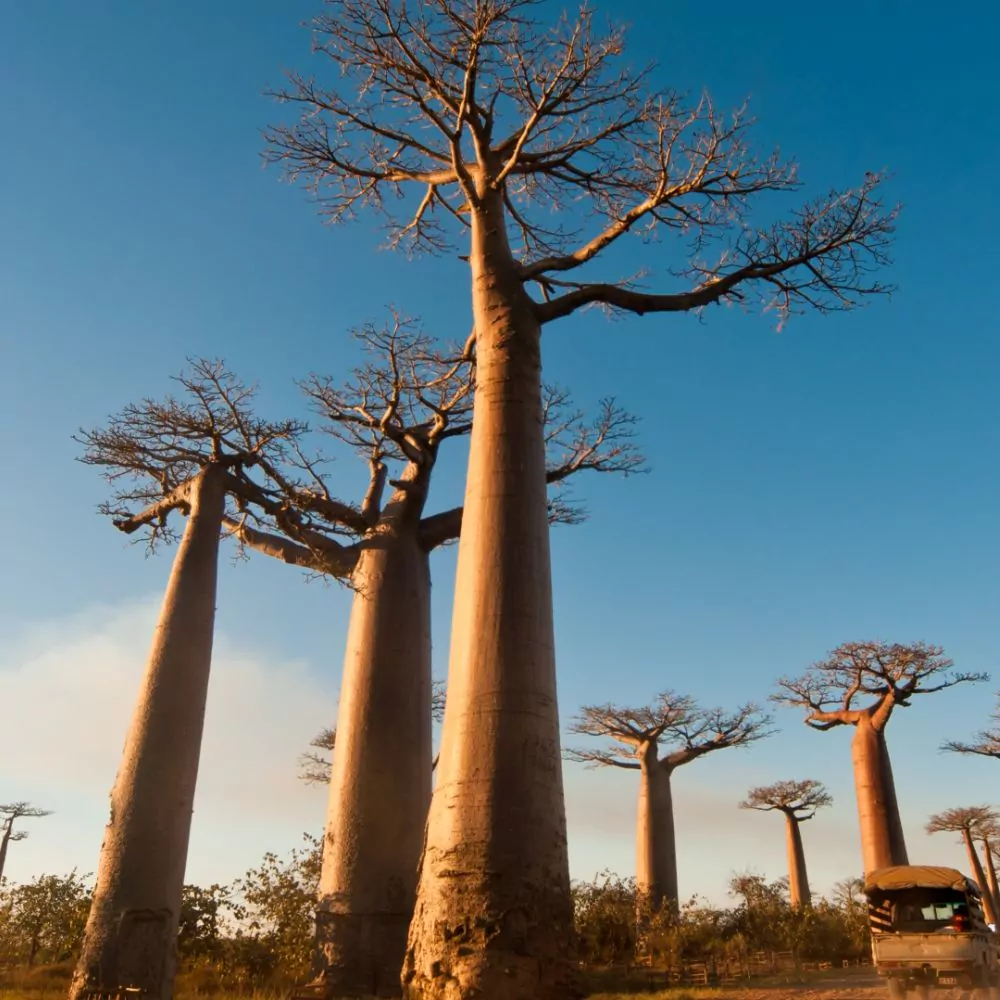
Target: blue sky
pixel 835 481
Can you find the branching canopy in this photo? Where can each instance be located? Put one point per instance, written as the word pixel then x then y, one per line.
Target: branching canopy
pixel 880 676
pixel 977 821
pixel 433 111
pixel 985 744
pixel 13 811
pixel 674 722
pixel 798 799
pixel 314 768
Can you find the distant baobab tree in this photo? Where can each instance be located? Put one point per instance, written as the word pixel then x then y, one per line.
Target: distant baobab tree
pixel 988 834
pixel 533 145
pixel 970 822
pixel 882 677
pixel 797 801
pixel 986 742
pixel 172 457
pixel 682 731
pixel 10 814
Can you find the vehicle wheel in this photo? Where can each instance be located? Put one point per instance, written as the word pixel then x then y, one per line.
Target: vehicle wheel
pixel 895 989
pixel 921 992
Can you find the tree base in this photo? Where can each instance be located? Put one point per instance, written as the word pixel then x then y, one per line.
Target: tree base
pixel 500 959
pixel 361 955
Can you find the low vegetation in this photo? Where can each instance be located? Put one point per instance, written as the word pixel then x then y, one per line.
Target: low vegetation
pixel 253 937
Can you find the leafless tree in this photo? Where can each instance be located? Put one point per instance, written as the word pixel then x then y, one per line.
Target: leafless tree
pixel 985 744
pixel 192 455
pixel 797 801
pixel 679 729
pixel 12 812
pixel 536 145
pixel 861 684
pixel 972 823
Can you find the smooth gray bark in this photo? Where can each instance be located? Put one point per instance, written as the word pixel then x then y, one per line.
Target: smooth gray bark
pixel 798 879
pixel 656 844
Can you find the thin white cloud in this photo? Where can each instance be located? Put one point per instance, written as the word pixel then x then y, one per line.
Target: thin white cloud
pixel 68 688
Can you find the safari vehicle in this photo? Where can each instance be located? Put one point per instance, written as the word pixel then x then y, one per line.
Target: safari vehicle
pixel 929 931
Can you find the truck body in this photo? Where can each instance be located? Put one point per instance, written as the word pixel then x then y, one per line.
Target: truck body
pixel 929 931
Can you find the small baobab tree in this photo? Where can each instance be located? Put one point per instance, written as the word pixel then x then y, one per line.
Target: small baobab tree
pixel 186 457
pixel 986 742
pixel 861 684
pixel 395 411
pixel 533 145
pixel 988 833
pixel 797 801
pixel 10 814
pixel 969 822
pixel 314 768
pixel 656 740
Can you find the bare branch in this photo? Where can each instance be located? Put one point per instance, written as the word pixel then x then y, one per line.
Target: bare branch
pixel 887 675
pixel 798 799
pixel 986 744
pixel 974 820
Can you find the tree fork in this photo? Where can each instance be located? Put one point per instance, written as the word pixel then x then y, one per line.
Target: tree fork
pixel 132 927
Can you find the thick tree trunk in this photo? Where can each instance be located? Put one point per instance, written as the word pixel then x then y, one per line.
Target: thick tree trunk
pixel 882 842
pixel 897 843
pixel 798 879
pixel 132 928
pixel 979 876
pixel 991 879
pixel 4 841
pixel 494 912
pixel 380 785
pixel 655 845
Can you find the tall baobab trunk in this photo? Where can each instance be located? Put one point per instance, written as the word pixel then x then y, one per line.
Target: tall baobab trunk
pixel 132 928
pixel 882 842
pixel 991 877
pixel 897 843
pixel 656 850
pixel 798 879
pixel 979 875
pixel 655 845
pixel 4 841
pixel 380 785
pixel 494 912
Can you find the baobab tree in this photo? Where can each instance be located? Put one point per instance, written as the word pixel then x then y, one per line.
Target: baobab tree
pixel 988 833
pixel 535 147
pixel 148 456
pixel 986 742
pixel 314 768
pixel 682 731
pixel 861 684
pixel 968 821
pixel 797 801
pixel 396 411
pixel 12 812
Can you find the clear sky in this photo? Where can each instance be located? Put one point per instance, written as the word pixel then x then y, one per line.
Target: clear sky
pixel 836 481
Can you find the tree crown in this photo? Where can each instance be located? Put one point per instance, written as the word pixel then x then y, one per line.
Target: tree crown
pixel 452 108
pixel 673 721
pixel 885 675
pixel 799 799
pixel 974 820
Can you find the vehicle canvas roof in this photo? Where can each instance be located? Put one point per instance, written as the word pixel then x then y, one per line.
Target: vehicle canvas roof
pixel 918 877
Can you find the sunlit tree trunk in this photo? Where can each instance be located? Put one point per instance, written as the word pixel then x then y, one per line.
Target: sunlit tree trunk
pixel 991 878
pixel 798 879
pixel 494 910
pixel 380 785
pixel 655 846
pixel 979 875
pixel 882 842
pixel 132 928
